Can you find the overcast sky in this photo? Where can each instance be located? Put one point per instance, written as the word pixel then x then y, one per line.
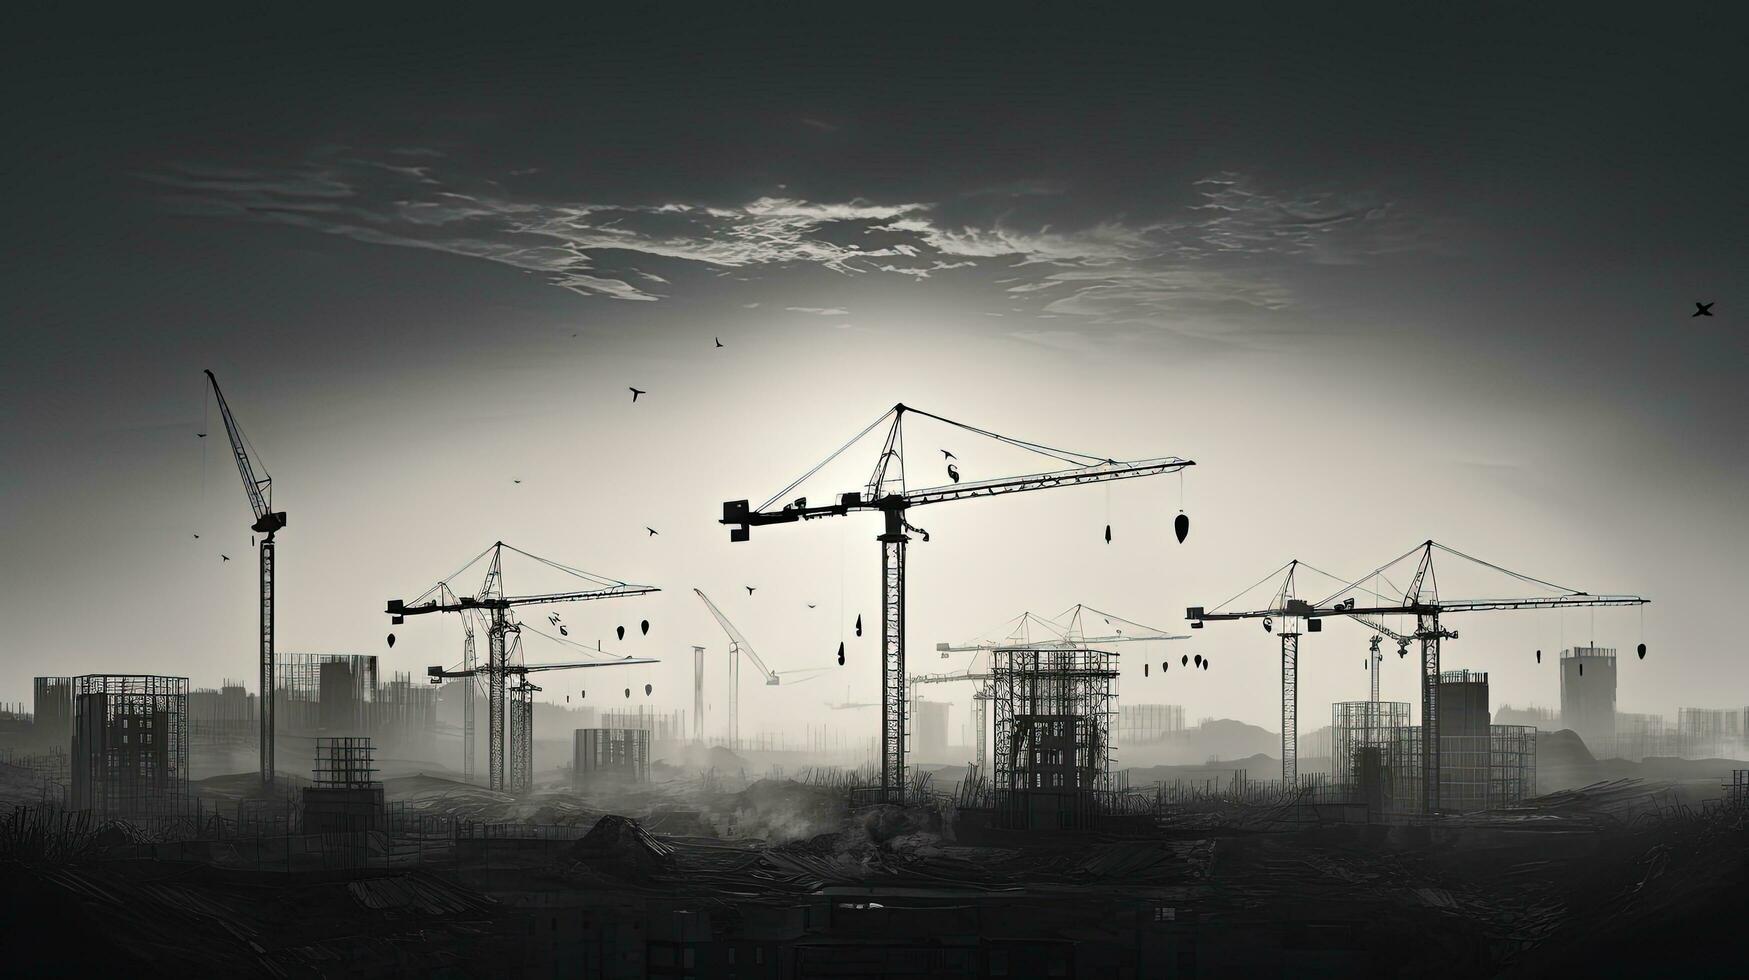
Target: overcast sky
pixel 1383 279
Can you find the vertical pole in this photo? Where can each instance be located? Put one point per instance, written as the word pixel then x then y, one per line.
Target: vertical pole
pixel 1428 633
pixel 1290 710
pixel 469 684
pixel 735 697
pixel 1372 666
pixel 267 691
pixel 495 701
pixel 698 695
pixel 981 721
pixel 893 659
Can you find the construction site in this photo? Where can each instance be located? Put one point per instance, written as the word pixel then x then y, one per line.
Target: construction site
pixel 452 821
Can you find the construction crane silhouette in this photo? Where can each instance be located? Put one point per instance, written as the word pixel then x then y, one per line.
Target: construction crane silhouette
pixel 1065 629
pixel 491 603
pixel 886 491
pixel 738 645
pixel 268 522
pixel 1421 599
pixel 521 703
pixel 1282 617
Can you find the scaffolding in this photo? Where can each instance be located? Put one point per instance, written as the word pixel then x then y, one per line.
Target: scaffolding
pixel 1140 724
pixel 52 719
pixel 130 745
pixel 1511 764
pixel 225 716
pixel 622 753
pixel 1053 735
pixel 521 754
pixel 663 726
pixel 1357 725
pixel 324 692
pixel 1465 743
pixel 345 798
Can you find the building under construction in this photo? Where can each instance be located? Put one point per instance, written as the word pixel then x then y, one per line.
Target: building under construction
pixel 1053 709
pixel 52 717
pixel 929 725
pixel 1142 724
pixel 663 726
pixel 1376 751
pixel 345 796
pixel 222 716
pixel 610 753
pixel 344 694
pixel 130 745
pixel 1361 734
pixel 1588 693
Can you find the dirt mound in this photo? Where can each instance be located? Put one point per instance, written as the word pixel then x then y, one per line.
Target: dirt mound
pixel 618 846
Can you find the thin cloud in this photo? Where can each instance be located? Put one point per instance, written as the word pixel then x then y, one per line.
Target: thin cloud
pixel 1216 266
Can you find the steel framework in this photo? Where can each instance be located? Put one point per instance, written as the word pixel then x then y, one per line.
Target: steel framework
pixel 130 745
pixel 878 494
pixel 1053 734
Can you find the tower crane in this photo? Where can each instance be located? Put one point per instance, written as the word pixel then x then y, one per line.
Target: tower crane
pixel 492 603
pixel 1063 629
pixel 1290 611
pixel 267 522
pixel 738 646
pixel 887 492
pixel 447 596
pixel 1422 600
pixel 1374 657
pixel 522 704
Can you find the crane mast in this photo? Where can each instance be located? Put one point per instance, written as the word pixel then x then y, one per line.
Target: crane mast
pixel 495 606
pixel 1420 599
pixel 267 522
pixel 894 505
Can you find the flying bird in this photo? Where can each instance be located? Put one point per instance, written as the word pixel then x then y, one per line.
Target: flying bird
pixel 810 605
pixel 197 535
pixel 749 589
pixel 202 435
pixel 515 481
pixel 636 392
pixel 1703 309
pixel 948 455
pixel 719 341
pixel 225 557
pixel 653 531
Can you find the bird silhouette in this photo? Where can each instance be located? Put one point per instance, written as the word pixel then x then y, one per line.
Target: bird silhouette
pixel 749 589
pixel 1703 309
pixel 719 341
pixel 197 535
pixel 515 481
pixel 653 531
pixel 636 392
pixel 948 455
pixel 225 557
pixel 810 605
pixel 202 435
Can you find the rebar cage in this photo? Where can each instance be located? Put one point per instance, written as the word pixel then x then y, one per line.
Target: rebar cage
pixel 1053 735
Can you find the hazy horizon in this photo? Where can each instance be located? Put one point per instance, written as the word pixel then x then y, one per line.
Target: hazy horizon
pixel 1430 278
